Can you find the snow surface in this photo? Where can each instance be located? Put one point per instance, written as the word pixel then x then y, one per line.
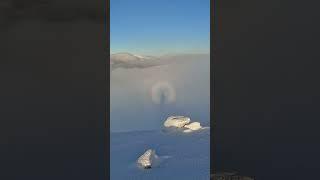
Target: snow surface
pixel 180 155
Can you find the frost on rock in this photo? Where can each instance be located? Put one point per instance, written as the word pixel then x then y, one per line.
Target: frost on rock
pixel 181 124
pixel 176 121
pixel 193 126
pixel 147 159
pixel 187 131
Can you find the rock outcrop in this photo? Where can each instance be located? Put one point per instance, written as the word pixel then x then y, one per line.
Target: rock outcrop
pixel 183 123
pixel 176 121
pixel 146 160
pixel 193 126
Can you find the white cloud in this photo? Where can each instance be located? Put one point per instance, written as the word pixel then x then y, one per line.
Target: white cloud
pixel 180 85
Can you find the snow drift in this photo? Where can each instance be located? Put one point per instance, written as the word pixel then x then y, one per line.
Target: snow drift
pixel 180 155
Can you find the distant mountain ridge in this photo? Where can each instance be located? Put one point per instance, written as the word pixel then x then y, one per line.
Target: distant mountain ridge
pixel 130 57
pixel 128 60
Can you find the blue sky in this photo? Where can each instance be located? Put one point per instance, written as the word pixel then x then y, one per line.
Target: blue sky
pixel 156 27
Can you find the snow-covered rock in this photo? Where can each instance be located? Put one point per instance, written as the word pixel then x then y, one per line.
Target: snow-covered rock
pixel 193 126
pixel 181 156
pixel 147 159
pixel 127 60
pixel 187 131
pixel 176 121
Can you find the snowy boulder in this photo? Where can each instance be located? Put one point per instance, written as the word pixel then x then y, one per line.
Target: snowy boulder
pixel 147 159
pixel 187 131
pixel 193 126
pixel 176 121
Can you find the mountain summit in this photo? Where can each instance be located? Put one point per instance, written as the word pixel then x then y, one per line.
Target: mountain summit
pixel 127 60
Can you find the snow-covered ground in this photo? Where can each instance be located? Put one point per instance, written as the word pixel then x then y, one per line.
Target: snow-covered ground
pixel 184 156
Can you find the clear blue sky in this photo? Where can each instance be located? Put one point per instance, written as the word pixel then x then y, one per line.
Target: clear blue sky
pixel 155 27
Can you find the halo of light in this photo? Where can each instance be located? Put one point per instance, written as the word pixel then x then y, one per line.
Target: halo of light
pixel 163 92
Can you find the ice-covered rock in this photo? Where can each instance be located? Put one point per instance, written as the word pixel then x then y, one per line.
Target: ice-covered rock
pixel 176 121
pixel 193 126
pixel 147 159
pixel 127 60
pixel 187 131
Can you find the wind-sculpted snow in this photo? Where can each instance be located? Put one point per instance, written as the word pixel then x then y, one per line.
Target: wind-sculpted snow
pixel 181 155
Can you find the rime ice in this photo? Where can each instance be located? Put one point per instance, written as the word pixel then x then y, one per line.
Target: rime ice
pixel 146 159
pixel 183 123
pixel 193 126
pixel 176 121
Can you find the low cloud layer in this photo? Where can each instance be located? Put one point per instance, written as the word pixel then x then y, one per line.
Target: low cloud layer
pixel 142 98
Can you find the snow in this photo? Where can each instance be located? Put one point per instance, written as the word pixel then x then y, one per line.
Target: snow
pixel 181 124
pixel 146 159
pixel 127 60
pixel 193 126
pixel 179 155
pixel 176 121
pixel 124 57
pixel 142 58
